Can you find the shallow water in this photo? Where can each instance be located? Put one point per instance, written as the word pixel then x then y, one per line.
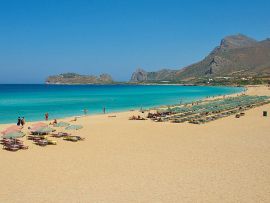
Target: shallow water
pixel 33 101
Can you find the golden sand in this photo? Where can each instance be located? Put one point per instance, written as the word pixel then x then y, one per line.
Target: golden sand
pixel 227 160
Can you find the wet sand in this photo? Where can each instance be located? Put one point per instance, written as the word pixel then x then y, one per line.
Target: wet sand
pixel 227 160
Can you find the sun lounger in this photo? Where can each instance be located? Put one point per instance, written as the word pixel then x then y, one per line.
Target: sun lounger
pixel 12 148
pixel 11 141
pixel 61 134
pixel 51 142
pixel 74 138
pixel 79 138
pixel 22 146
pixel 42 143
pixel 71 138
pixel 214 109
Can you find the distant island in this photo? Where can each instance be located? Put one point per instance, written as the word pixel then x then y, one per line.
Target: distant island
pixel 74 78
pixel 238 60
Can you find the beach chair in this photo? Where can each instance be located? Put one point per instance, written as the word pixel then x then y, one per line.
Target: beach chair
pixel 79 138
pixel 6 141
pixel 22 146
pixel 12 148
pixel 74 138
pixel 42 142
pixel 51 142
pixel 60 134
pixel 71 138
pixel 242 114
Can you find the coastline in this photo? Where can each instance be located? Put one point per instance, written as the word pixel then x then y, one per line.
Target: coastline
pixel 119 110
pixel 130 161
pixel 124 110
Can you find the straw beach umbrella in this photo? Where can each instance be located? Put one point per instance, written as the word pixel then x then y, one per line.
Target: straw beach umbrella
pixel 44 130
pixel 13 135
pixel 37 126
pixel 74 127
pixel 62 124
pixel 13 128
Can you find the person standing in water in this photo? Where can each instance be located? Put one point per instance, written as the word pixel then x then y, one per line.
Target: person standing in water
pixel 46 116
pixel 85 111
pixel 19 121
pixel 104 110
pixel 22 121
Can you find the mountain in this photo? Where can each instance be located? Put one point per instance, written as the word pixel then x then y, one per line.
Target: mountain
pixel 236 56
pixel 162 75
pixel 73 78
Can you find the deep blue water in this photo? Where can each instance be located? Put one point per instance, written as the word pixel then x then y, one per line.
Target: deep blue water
pixel 33 101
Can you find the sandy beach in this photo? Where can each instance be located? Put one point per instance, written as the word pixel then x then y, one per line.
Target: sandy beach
pixel 227 160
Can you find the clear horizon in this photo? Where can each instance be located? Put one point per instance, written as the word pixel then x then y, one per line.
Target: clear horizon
pixel 117 37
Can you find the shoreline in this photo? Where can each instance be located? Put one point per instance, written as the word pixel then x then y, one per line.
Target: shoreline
pixel 130 110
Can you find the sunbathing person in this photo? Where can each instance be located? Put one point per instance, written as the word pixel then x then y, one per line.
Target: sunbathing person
pixel 54 122
pixel 75 119
pixel 136 118
pixel 132 118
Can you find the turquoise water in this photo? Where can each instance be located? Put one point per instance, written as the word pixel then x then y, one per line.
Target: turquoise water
pixel 33 101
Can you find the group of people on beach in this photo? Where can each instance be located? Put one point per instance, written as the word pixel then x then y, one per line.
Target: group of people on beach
pixel 47 118
pixel 21 121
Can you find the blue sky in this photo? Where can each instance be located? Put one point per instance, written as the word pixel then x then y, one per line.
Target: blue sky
pixel 44 37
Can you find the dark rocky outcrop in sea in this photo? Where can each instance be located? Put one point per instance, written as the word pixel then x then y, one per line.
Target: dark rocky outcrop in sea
pixel 73 78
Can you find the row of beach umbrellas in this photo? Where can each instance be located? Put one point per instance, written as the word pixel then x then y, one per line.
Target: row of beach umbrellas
pixel 46 129
pixel 14 131
pixel 68 126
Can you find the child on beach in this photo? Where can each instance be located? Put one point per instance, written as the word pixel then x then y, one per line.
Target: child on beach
pixel 75 119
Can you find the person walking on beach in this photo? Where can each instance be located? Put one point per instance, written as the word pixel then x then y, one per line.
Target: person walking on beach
pixel 19 121
pixel 46 116
pixel 22 121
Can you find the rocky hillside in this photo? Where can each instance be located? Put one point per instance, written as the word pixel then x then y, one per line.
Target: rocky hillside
pixel 236 56
pixel 162 75
pixel 73 78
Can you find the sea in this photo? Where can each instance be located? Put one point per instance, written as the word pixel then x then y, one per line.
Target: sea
pixel 33 101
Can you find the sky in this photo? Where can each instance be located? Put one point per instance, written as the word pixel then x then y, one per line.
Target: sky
pixel 39 38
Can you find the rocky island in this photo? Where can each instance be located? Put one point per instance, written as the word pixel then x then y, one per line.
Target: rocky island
pixel 74 78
